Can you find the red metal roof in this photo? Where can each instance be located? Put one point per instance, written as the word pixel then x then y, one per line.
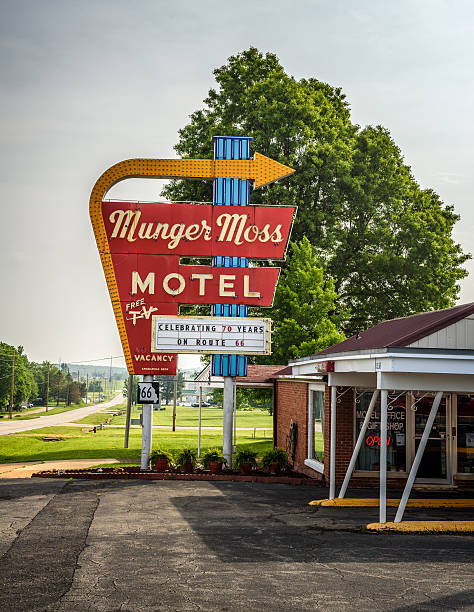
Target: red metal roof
pixel 260 373
pixel 401 332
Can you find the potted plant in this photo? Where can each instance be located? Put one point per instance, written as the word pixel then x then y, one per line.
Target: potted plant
pixel 245 460
pixel 275 460
pixel 159 459
pixel 213 460
pixel 185 459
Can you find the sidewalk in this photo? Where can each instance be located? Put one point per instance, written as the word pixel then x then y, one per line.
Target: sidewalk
pixel 27 468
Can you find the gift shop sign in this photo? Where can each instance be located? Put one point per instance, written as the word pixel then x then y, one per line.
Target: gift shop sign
pixel 140 247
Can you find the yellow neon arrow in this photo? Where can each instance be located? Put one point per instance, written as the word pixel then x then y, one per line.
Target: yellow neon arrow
pixel 262 170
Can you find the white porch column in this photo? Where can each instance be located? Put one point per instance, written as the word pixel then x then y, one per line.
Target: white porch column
pixel 332 448
pixel 383 456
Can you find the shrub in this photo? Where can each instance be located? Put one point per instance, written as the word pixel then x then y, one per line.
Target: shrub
pixel 187 455
pixel 159 453
pixel 275 455
pixel 245 455
pixel 212 454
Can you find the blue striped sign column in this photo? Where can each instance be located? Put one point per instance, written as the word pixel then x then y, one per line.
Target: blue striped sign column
pixel 230 192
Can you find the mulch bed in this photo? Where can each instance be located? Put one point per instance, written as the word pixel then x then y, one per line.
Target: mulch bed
pixel 131 473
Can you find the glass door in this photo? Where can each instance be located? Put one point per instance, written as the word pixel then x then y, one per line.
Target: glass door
pixel 434 466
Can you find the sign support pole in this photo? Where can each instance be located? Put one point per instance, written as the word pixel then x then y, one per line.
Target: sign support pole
pixel 200 417
pixel 147 416
pixel 228 418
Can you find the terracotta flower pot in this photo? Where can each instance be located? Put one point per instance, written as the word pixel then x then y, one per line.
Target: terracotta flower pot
pixel 215 467
pixel 188 468
pixel 247 468
pixel 160 465
pixel 274 468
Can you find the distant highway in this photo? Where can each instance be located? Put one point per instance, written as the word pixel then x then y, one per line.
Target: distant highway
pixel 8 426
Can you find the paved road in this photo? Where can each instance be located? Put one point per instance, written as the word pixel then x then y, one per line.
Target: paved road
pixel 182 546
pixel 8 427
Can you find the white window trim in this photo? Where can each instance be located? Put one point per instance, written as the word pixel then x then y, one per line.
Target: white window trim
pixel 310 462
pixel 315 465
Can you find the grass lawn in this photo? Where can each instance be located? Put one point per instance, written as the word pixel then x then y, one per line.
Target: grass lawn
pixel 76 444
pixel 189 417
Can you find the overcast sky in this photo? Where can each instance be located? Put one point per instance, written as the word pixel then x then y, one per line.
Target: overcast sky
pixel 88 83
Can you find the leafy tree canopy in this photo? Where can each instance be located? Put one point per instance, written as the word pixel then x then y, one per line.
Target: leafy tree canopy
pixel 386 242
pixel 304 319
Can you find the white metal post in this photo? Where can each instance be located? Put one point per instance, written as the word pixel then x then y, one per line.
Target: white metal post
pixel 332 450
pixel 228 409
pixel 418 457
pixel 235 416
pixel 147 424
pixel 383 457
pixel 199 426
pixel 360 439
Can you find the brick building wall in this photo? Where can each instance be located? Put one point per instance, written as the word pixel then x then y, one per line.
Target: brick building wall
pixel 292 405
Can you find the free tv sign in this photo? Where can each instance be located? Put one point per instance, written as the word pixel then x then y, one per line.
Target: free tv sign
pixel 140 245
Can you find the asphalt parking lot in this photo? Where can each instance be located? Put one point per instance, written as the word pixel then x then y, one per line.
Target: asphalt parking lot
pixel 168 545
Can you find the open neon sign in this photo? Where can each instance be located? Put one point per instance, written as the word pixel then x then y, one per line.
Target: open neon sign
pixel 375 440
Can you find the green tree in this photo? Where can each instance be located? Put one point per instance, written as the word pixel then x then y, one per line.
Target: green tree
pixel 304 319
pixel 24 383
pixel 386 242
pixel 40 374
pixel 167 386
pixel 392 248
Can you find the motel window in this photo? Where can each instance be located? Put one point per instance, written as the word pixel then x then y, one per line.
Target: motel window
pixel 315 457
pixel 465 434
pixel 318 413
pixel 369 455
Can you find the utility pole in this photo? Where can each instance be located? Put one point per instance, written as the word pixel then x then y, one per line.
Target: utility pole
pixel 47 388
pixel 12 386
pixel 129 410
pixel 175 395
pixel 87 387
pixel 110 370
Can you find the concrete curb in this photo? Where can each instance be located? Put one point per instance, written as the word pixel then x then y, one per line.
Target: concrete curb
pixel 424 526
pixel 291 480
pixel 374 503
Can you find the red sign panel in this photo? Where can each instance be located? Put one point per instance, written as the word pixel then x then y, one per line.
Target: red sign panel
pixel 137 318
pixel 197 230
pixel 161 279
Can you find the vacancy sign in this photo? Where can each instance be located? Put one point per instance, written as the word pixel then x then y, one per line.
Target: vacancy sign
pixel 140 245
pixel 221 335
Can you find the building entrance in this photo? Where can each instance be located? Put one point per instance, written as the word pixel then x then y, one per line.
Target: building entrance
pixel 435 464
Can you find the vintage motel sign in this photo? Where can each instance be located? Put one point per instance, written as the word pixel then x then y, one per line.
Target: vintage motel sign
pixel 230 335
pixel 199 230
pixel 133 302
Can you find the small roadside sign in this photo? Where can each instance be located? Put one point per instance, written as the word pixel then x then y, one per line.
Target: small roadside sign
pixel 148 393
